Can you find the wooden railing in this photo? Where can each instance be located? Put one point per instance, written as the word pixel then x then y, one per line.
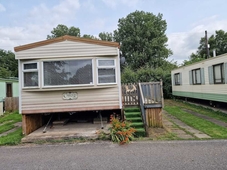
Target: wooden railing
pixel 130 94
pixel 151 93
pixel 149 97
pixel 151 103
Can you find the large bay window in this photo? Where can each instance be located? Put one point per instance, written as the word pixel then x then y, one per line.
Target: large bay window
pixel 70 72
pixel 106 71
pixel 67 72
pixel 30 75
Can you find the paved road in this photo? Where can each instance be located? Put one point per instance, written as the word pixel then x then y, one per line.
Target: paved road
pixel 174 155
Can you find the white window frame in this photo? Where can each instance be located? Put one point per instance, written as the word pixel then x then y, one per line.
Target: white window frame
pixel 71 85
pixel 98 67
pixel 30 70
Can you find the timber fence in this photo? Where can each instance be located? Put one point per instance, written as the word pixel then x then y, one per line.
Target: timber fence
pixel 11 104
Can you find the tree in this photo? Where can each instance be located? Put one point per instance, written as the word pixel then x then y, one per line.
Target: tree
pixel 217 42
pixel 62 30
pixel 142 38
pixel 89 36
pixel 146 74
pixel 8 64
pixel 106 36
pixel 193 59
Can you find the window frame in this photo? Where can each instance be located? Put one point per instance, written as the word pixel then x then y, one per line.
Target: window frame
pixel 175 76
pixel 107 67
pixel 222 73
pixel 70 85
pixel 195 83
pixel 30 71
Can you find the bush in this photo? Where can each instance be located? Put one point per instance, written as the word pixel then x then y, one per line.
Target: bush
pixel 120 131
pixel 147 74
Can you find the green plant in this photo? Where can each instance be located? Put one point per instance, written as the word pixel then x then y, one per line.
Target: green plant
pixel 120 131
pixel 103 136
pixel 13 138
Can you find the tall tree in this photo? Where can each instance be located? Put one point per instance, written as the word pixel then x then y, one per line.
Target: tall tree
pixel 143 39
pixel 8 64
pixel 217 42
pixel 106 36
pixel 62 30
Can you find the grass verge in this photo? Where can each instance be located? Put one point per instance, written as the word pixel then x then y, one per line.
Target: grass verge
pixel 7 122
pixel 202 125
pixel 12 138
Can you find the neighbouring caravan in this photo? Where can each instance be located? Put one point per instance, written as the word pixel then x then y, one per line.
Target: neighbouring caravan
pixel 67 74
pixel 206 80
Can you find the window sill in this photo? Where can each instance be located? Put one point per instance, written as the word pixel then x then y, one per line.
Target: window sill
pixel 30 88
pixel 106 84
pixel 71 88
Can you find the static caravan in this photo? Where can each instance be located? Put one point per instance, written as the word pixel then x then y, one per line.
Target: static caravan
pixel 8 88
pixel 205 80
pixel 67 74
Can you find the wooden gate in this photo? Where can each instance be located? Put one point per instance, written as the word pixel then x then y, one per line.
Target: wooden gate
pixel 130 94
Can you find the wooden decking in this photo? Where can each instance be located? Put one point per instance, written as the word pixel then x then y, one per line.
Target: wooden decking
pixel 149 97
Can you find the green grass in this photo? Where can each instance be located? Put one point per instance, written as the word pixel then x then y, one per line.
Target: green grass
pixel 12 138
pixel 207 111
pixel 15 117
pixel 7 122
pixel 202 125
pixel 5 127
pixel 168 136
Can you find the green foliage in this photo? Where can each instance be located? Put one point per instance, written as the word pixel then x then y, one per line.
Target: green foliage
pixel 193 59
pixel 62 30
pixel 8 64
pixel 128 76
pixel 146 74
pixel 89 36
pixel 217 42
pixel 4 73
pixel 106 36
pixel 120 132
pixel 143 40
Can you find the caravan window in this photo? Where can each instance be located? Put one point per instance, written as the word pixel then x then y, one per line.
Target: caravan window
pixel 30 75
pixel 106 69
pixel 67 72
pixel 196 76
pixel 218 71
pixel 177 78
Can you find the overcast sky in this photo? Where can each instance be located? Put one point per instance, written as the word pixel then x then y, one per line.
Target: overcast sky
pixel 27 21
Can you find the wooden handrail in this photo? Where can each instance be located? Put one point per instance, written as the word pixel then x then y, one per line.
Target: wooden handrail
pixel 141 93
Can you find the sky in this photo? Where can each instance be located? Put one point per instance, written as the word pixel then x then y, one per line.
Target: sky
pixel 28 21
